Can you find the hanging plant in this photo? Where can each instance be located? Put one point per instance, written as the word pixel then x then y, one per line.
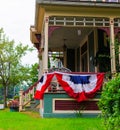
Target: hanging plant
pixel 103 59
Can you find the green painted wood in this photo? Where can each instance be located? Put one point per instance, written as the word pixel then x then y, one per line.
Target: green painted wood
pixel 69 115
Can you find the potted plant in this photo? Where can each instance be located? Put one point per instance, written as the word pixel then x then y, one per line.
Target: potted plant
pixel 14 104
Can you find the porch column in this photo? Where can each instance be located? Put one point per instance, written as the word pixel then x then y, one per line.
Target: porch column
pixel 41 57
pixel 112 47
pixel 20 100
pixel 45 62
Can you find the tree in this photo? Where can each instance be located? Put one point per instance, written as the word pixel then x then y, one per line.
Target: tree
pixel 34 73
pixel 12 72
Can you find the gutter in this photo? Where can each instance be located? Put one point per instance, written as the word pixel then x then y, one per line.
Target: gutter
pixel 79 3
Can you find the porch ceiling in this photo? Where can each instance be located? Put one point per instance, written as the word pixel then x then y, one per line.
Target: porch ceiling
pixel 70 36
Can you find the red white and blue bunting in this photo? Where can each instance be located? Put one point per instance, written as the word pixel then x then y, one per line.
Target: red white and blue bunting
pixel 80 86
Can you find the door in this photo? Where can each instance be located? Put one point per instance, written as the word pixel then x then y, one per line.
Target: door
pixel 71 59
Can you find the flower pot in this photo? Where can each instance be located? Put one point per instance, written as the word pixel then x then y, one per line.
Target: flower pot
pixel 14 109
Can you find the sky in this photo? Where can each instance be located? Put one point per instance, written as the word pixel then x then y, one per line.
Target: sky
pixel 16 17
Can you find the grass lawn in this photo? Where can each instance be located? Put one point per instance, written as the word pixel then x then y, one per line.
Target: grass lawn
pixel 32 121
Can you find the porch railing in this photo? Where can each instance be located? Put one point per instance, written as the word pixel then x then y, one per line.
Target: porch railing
pixel 26 96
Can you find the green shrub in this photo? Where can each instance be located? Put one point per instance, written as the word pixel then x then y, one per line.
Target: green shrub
pixel 109 103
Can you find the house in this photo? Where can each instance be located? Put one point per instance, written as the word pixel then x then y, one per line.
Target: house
pixel 82 35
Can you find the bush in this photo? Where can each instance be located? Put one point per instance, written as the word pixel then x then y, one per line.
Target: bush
pixel 109 103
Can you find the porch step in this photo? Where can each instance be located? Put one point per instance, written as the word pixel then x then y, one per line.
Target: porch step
pixel 33 106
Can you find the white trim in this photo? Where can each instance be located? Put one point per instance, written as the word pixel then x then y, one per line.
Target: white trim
pixel 75 111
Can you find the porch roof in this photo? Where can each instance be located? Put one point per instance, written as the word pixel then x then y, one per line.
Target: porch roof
pixel 74 8
pixel 67 10
pixel 103 3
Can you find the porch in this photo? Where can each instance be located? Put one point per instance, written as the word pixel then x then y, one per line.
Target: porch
pixel 79 33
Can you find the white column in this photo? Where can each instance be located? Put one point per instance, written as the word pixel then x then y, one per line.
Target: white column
pixel 40 69
pixel 112 46
pixel 46 44
pixel 20 100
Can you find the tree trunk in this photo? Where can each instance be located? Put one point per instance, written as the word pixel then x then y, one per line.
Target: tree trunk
pixel 5 96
